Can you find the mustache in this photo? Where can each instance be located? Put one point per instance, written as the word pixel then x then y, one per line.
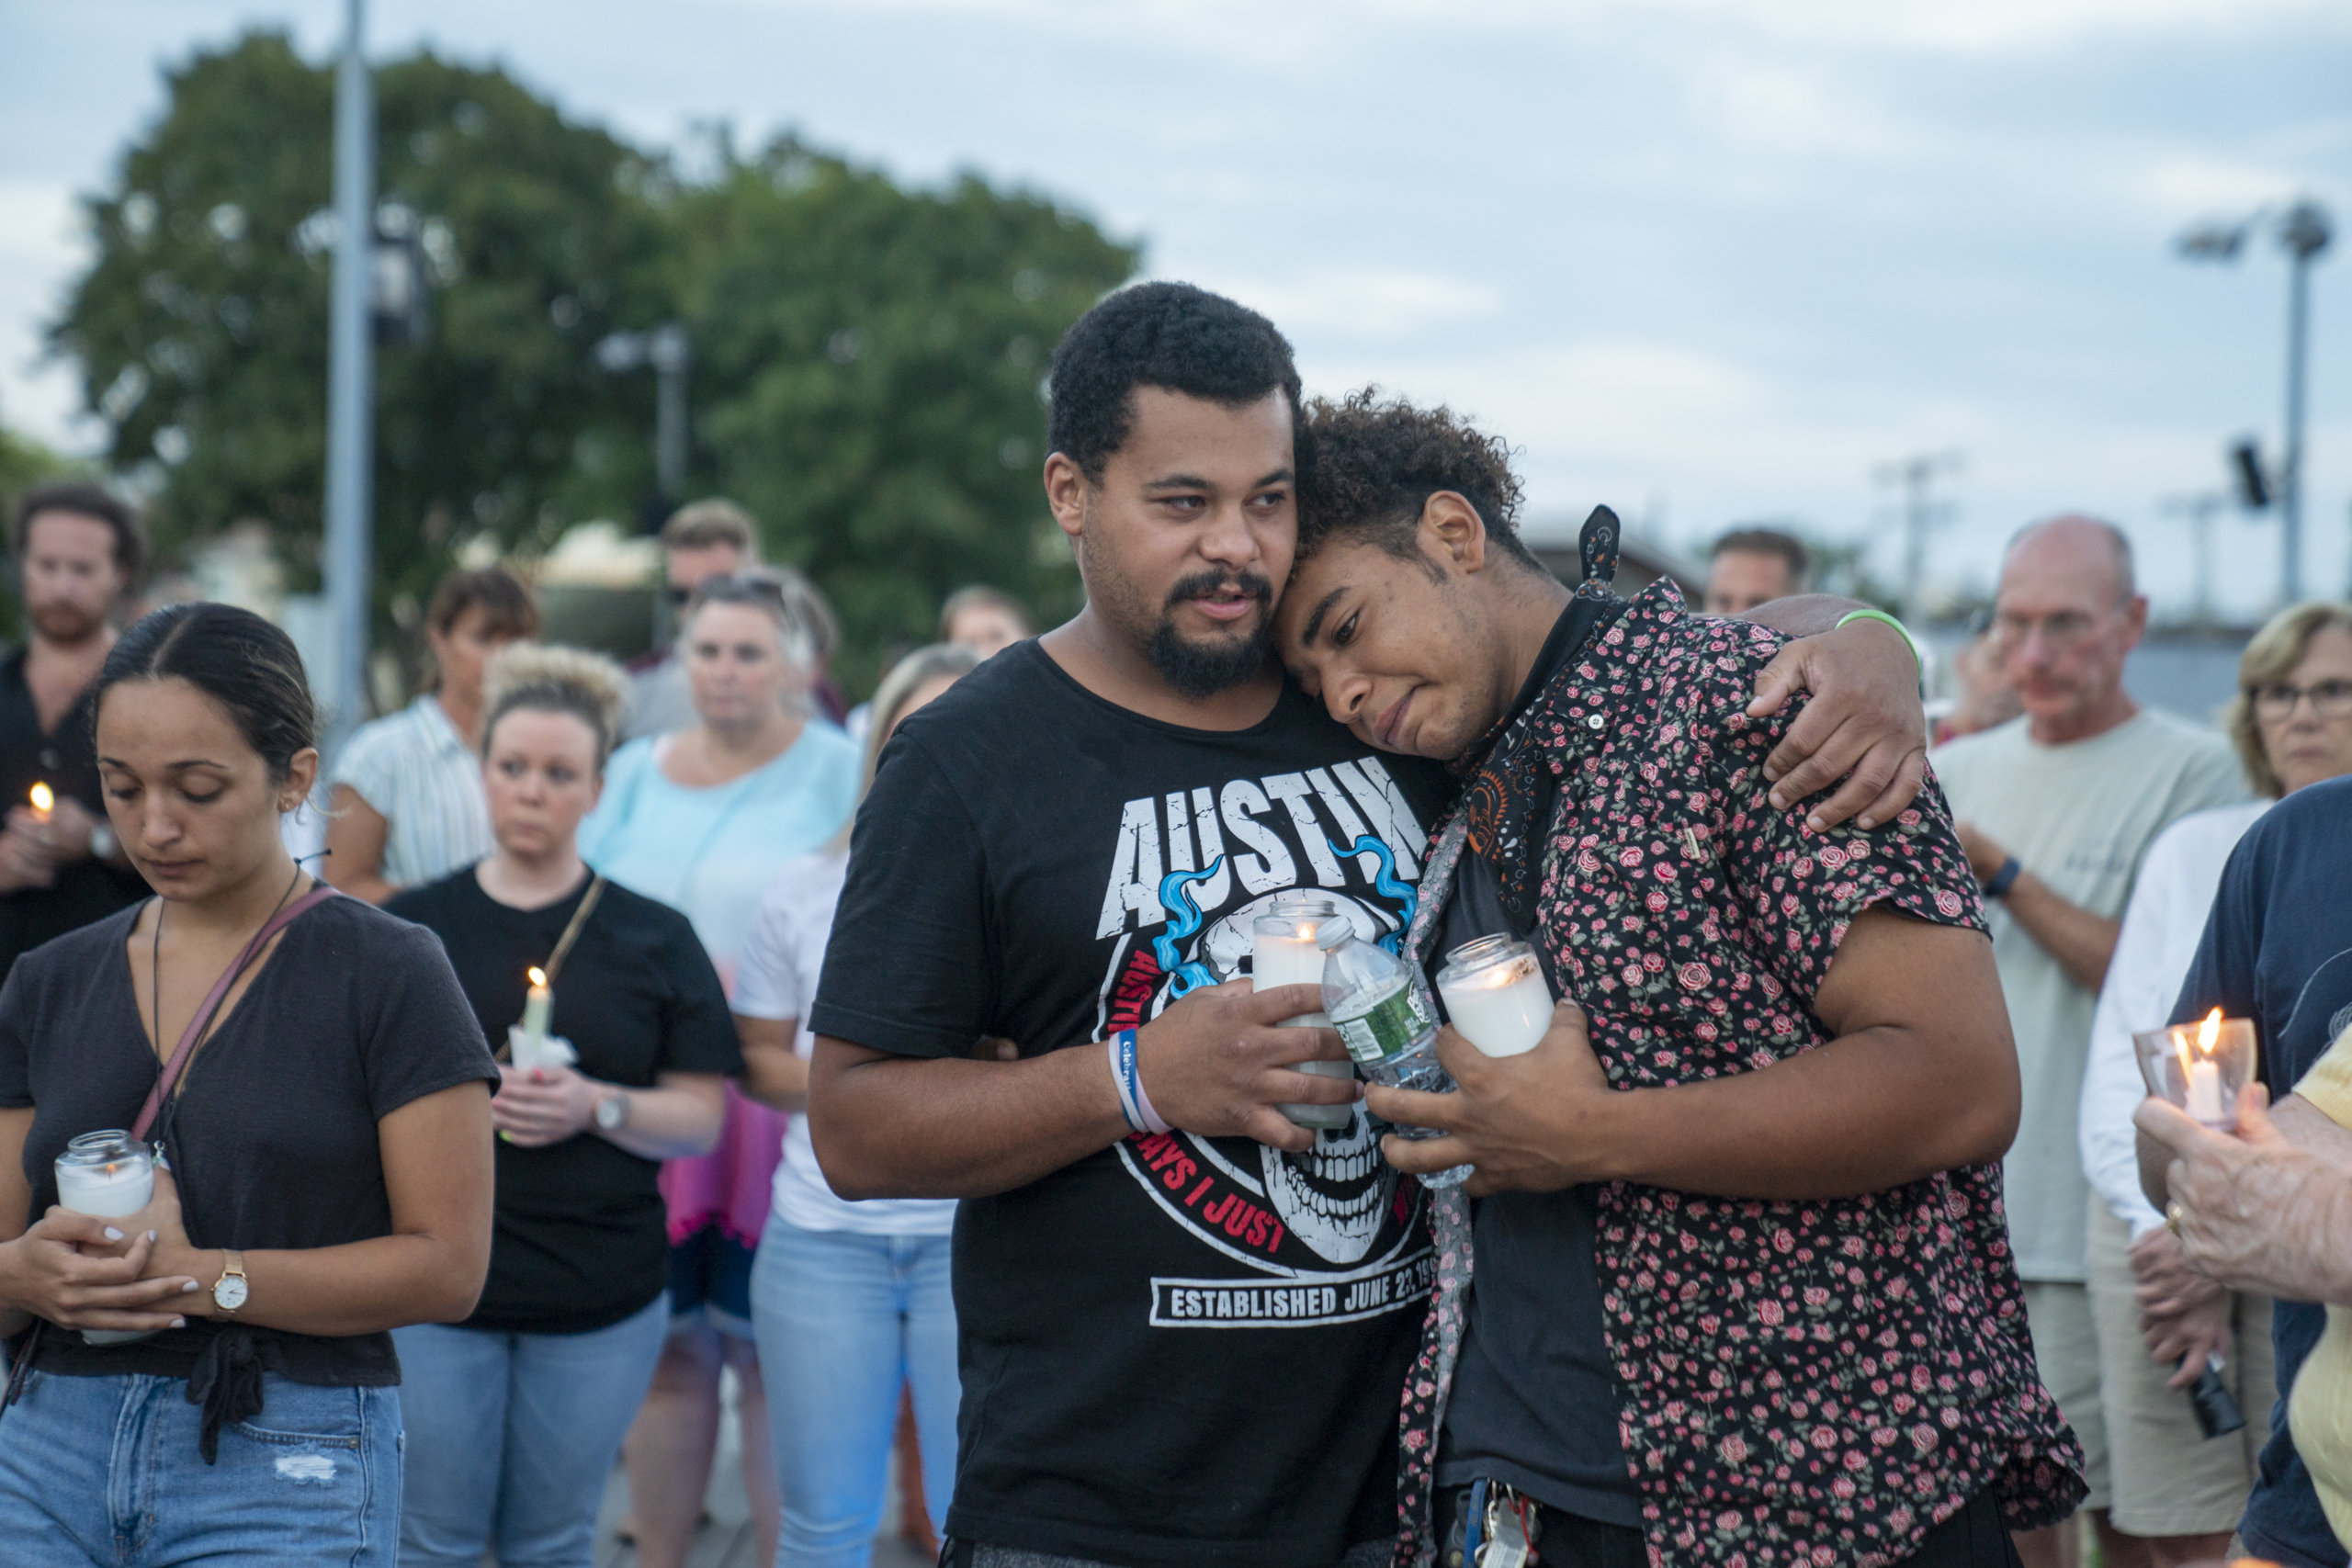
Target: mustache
pixel 1200 584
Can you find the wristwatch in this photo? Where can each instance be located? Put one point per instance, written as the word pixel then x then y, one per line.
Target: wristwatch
pixel 612 1112
pixel 229 1291
pixel 103 843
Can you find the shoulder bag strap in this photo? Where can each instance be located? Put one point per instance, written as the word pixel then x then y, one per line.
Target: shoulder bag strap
pixel 170 1075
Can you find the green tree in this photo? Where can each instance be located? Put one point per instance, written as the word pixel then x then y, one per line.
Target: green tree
pixel 201 327
pixel 869 373
pixel 26 462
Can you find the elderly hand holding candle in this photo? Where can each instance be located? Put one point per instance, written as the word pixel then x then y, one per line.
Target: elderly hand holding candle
pixel 2253 1210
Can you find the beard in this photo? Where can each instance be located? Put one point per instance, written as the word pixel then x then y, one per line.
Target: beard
pixel 1201 668
pixel 64 622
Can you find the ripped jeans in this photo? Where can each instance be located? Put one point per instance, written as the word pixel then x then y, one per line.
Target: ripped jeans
pixel 103 1472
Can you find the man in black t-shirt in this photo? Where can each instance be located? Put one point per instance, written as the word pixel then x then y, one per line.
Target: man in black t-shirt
pixel 78 550
pixel 1181 1346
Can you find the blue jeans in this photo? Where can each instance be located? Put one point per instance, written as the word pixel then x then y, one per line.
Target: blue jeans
pixel 511 1437
pixel 843 1321
pixel 103 1472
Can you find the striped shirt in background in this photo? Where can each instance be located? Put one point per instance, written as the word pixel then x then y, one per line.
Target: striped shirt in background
pixel 416 771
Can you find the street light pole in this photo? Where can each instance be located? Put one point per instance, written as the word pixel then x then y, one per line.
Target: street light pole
pixel 2302 233
pixel 351 436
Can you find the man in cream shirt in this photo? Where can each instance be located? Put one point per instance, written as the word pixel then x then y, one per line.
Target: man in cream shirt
pixel 2056 809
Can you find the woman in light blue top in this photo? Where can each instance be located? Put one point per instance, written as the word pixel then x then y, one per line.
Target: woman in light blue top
pixel 702 820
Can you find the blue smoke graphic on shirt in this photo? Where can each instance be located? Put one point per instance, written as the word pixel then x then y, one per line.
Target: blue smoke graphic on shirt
pixel 1185 918
pixel 1388 882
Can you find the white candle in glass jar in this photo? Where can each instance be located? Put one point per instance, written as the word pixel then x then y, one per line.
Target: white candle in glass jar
pixel 1495 996
pixel 108 1191
pixel 1283 952
pixel 2205 1092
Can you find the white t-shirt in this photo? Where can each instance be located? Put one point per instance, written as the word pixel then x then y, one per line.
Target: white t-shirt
pixel 2161 930
pixel 2080 817
pixel 776 977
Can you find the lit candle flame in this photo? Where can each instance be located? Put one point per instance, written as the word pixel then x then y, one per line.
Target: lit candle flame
pixel 538 976
pixel 44 799
pixel 2209 1031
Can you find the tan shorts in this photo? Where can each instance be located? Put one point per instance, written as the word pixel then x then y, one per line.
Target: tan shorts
pixel 2066 1350
pixel 2170 1479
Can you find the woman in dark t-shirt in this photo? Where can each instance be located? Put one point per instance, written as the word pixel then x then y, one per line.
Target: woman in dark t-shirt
pixel 329 1169
pixel 514 1414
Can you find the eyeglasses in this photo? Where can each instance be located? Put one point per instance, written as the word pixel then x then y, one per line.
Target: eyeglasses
pixel 2330 700
pixel 2062 631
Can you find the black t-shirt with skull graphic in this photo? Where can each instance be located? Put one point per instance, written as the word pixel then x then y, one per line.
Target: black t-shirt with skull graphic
pixel 1179 1350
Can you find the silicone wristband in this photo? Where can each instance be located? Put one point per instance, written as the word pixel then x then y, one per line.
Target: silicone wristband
pixel 1999 884
pixel 1131 1098
pixel 1119 1080
pixel 1900 630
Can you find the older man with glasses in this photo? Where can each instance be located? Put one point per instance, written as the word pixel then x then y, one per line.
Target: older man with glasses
pixel 2056 809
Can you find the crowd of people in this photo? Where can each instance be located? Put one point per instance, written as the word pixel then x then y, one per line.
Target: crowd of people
pixel 906 1065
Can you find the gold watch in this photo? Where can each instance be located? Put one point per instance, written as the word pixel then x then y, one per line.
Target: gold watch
pixel 229 1291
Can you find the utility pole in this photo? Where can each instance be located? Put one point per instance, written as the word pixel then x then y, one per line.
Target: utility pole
pixel 351 411
pixel 1922 513
pixel 2200 508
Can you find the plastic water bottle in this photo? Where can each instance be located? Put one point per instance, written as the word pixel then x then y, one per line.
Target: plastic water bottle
pixel 1388 1024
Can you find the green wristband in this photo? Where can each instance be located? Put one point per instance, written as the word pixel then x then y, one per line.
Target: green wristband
pixel 1900 630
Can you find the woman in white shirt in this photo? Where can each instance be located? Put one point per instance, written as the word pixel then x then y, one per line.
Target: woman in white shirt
pixel 407 807
pixel 2158 1320
pixel 851 1301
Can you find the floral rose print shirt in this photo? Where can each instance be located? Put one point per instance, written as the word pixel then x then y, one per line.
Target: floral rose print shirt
pixel 1814 1382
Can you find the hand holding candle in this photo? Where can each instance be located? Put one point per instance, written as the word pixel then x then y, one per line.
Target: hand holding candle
pixel 1495 996
pixel 1283 950
pixel 44 801
pixel 111 1176
pixel 2202 1067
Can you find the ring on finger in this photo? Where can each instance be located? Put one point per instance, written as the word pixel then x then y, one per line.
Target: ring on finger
pixel 2172 1213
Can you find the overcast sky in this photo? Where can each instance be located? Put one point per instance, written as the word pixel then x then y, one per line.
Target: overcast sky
pixel 1706 260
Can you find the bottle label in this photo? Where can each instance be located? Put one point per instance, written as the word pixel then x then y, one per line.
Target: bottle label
pixel 1390 1025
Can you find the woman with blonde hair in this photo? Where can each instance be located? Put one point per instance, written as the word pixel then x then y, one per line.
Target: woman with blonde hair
pixel 2159 1321
pixel 515 1414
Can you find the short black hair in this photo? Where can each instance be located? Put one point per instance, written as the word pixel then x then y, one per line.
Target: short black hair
pixel 1159 335
pixel 82 498
pixel 1376 464
pixel 1770 541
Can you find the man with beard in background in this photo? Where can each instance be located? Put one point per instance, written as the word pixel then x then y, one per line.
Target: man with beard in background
pixel 78 551
pixel 1064 851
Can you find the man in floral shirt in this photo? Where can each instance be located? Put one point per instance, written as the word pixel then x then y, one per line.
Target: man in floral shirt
pixel 1744 1286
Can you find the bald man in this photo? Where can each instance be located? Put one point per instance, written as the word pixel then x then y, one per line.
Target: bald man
pixel 2056 808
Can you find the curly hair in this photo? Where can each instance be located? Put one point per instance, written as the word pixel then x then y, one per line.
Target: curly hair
pixel 533 678
pixel 1159 335
pixel 1376 464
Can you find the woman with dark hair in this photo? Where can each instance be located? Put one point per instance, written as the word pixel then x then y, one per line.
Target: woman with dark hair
pixel 407 805
pixel 314 1086
pixel 514 1414
pixel 702 820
